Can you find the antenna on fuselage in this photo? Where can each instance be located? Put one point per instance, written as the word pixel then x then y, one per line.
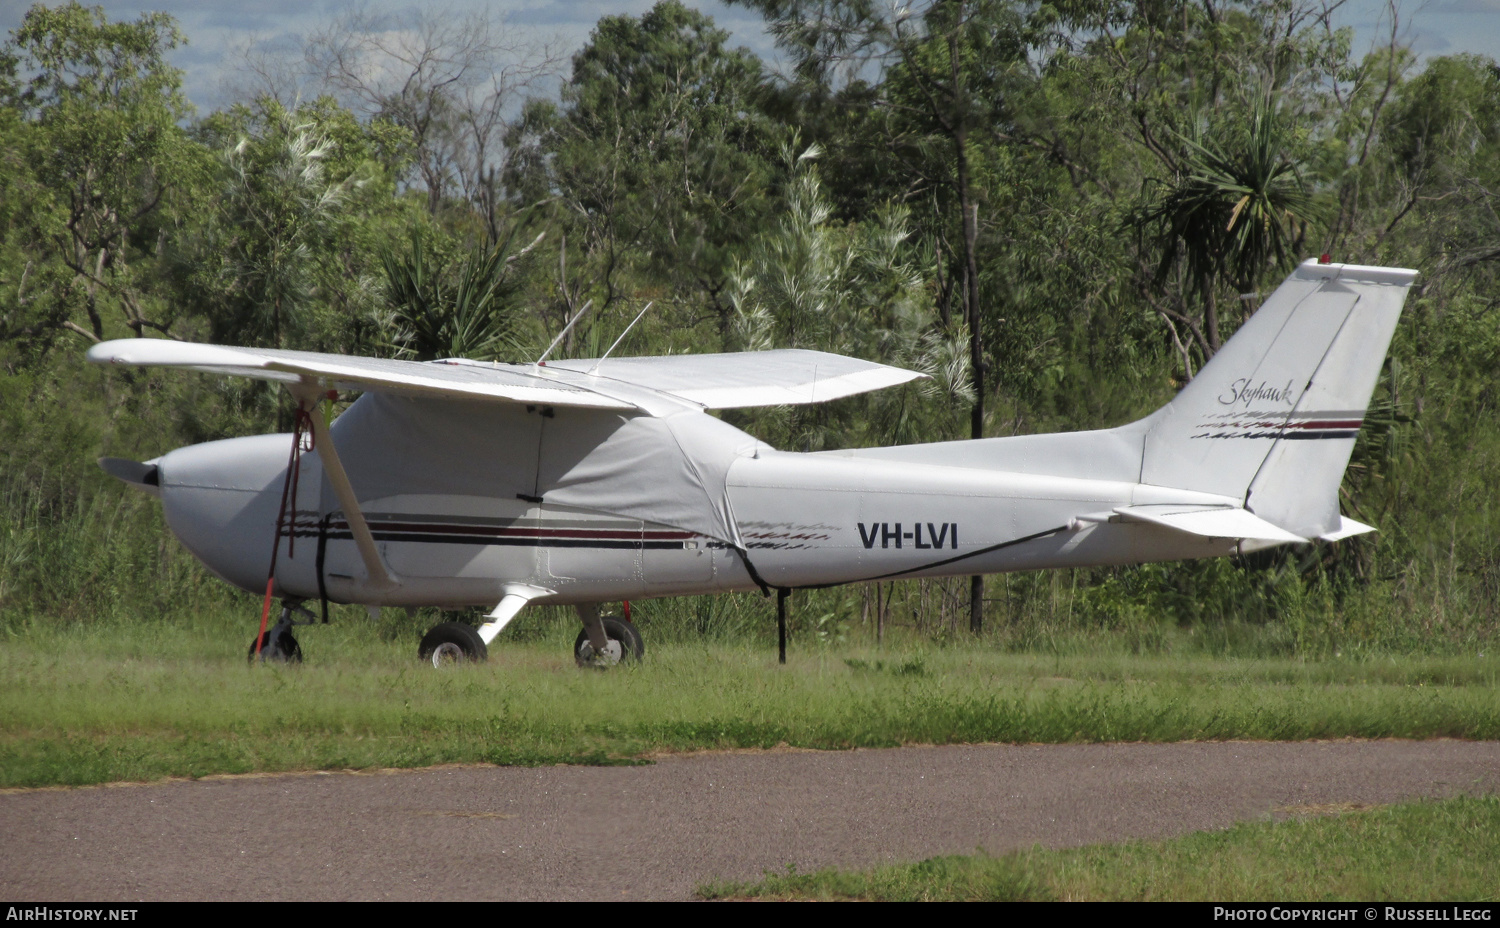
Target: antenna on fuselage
pixel 622 336
pixel 561 335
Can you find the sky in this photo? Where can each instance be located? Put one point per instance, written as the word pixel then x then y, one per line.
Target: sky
pixel 219 30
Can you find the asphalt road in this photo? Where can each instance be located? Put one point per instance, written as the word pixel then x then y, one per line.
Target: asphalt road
pixel 480 833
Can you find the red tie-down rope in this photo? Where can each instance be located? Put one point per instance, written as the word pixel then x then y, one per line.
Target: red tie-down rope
pixel 302 431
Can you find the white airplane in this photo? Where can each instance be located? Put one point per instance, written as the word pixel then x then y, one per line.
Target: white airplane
pixel 456 483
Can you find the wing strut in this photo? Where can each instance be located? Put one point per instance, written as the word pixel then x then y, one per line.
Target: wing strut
pixel 308 393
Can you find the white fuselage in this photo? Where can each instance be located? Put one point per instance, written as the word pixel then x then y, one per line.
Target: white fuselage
pixel 803 520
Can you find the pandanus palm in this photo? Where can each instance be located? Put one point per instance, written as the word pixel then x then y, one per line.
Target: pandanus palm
pixel 1237 206
pixel 458 312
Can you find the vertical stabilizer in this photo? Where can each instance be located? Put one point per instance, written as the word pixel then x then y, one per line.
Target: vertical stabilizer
pixel 1272 418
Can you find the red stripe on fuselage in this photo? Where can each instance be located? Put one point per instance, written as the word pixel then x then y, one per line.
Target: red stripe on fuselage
pixel 450 529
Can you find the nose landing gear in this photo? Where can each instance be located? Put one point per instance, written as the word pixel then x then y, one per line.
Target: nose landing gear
pixel 277 643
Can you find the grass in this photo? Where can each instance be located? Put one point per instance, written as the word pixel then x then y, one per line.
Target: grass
pixel 92 704
pixel 1435 850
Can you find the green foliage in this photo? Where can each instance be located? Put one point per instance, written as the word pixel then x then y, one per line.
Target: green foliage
pixel 671 169
pixel 812 282
pixel 1232 210
pixel 463 311
pixel 656 158
pixel 301 207
pixel 93 131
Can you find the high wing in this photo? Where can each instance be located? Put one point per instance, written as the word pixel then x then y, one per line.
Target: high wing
pixel 712 381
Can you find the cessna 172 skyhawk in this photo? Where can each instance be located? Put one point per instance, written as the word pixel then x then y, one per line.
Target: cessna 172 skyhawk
pixel 456 483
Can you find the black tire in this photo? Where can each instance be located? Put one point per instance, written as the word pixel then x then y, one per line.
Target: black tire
pixel 632 648
pixel 285 651
pixel 453 643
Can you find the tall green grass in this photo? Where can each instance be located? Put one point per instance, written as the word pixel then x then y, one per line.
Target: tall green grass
pixel 69 558
pixel 94 703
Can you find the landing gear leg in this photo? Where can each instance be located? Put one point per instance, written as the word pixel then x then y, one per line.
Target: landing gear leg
pixel 621 642
pixel 593 627
pixel 277 644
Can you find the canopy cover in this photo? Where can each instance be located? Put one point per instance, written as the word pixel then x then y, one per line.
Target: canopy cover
pixel 669 470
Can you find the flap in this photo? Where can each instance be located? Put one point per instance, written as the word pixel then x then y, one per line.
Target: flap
pixel 784 377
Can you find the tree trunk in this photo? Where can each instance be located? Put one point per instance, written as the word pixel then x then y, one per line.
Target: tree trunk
pixel 970 215
pixel 1211 320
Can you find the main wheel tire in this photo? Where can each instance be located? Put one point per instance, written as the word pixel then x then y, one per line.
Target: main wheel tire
pixel 638 649
pixel 286 650
pixel 453 643
pixel 625 645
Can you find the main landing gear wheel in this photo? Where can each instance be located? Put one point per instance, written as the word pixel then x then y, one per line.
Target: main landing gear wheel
pixel 625 646
pixel 453 643
pixel 282 648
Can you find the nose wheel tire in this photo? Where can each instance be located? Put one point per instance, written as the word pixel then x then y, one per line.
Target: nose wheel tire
pixel 282 648
pixel 624 646
pixel 453 643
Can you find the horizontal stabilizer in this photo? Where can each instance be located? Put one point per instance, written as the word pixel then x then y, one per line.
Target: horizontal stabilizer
pixel 1347 529
pixel 1209 522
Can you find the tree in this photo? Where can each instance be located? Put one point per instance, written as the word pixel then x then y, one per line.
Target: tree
pixel 942 70
pixel 657 154
pixel 99 109
pixel 303 208
pixel 1190 109
pixel 810 281
pixel 1237 205
pixel 462 310
pixel 450 80
pixel 1434 170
